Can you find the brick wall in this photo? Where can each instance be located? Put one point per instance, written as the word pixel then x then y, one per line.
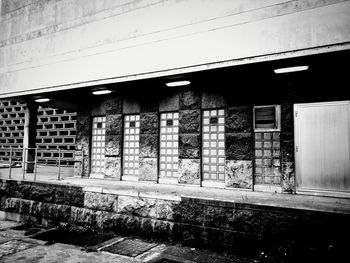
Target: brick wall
pixel 55 130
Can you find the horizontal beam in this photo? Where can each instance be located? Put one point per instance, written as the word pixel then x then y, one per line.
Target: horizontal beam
pixel 197 68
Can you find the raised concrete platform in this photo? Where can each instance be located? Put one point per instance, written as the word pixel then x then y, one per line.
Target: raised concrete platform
pixel 203 217
pixel 176 192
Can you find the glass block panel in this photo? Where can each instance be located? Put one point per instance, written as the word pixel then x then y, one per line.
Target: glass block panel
pixel 98 144
pixel 214 145
pixel 169 144
pixel 131 145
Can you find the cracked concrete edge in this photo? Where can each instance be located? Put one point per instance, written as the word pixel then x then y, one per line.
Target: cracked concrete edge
pixel 107 243
pixel 152 255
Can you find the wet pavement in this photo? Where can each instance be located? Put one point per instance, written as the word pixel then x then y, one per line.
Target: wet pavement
pixel 20 244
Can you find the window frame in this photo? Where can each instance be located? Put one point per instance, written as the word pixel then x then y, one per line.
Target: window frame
pixel 277 117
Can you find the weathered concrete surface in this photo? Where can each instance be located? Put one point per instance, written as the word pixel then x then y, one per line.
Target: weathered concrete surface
pixel 189 121
pixel 82 141
pixel 143 207
pixel 131 105
pixel 238 146
pixel 189 171
pixel 287 132
pixel 100 201
pixel 107 105
pixel 239 119
pixel 113 145
pixel 43 38
pixel 288 177
pixel 211 99
pixel 239 174
pixel 149 102
pixel 169 101
pixel 78 164
pixel 149 145
pixel 114 124
pixel 148 168
pixel 189 99
pixel 189 146
pixel 22 251
pixel 113 167
pixel 149 123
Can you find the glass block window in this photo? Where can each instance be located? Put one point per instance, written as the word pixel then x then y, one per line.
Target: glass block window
pixel 131 145
pixel 98 145
pixel 214 145
pixel 267 117
pixel 169 144
pixel 267 158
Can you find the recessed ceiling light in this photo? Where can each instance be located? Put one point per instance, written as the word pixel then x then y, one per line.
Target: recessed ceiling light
pixel 101 92
pixel 42 100
pixel 178 83
pixel 290 69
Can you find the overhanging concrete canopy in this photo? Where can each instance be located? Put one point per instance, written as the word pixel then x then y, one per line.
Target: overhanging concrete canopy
pixel 149 42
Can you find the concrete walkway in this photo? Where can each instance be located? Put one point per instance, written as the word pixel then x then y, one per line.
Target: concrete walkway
pixel 176 192
pixel 15 246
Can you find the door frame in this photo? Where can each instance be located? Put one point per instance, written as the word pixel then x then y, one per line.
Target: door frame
pixel 297 162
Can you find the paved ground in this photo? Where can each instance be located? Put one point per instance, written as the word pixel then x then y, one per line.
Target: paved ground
pixel 16 246
pixel 44 173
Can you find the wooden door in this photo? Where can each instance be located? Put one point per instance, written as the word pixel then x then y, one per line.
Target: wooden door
pixel 322 146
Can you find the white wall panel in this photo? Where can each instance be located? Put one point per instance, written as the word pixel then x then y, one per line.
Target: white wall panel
pixel 323 146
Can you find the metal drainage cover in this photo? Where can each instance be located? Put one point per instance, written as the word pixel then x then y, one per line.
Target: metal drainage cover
pixel 130 247
pixel 164 260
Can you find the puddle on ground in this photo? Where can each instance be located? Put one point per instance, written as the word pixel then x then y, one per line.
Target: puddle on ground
pixel 82 238
pixel 28 229
pixel 167 261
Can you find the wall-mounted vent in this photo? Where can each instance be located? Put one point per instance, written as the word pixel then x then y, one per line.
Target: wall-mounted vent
pixel 267 118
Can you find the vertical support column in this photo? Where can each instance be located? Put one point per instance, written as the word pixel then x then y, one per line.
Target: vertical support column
pixel 149 146
pixel 189 137
pixel 82 141
pixel 239 147
pixel 30 120
pixel 287 148
pixel 149 138
pixel 113 146
pixel 110 106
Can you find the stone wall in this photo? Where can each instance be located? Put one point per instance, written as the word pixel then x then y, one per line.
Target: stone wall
pixel 82 140
pixel 287 147
pixel 189 137
pixel 248 161
pixel 149 144
pixel 239 142
pixel 191 221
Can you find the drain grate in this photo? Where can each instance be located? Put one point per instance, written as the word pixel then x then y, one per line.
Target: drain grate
pixel 130 247
pixel 164 260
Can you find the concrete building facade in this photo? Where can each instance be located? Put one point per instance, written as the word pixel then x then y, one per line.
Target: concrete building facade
pixel 70 48
pixel 261 104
